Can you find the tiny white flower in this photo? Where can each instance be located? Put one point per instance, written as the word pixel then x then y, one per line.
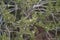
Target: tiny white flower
pixel 30 20
pixel 20 35
pixel 33 31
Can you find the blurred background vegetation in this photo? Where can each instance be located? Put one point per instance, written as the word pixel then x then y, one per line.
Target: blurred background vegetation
pixel 19 18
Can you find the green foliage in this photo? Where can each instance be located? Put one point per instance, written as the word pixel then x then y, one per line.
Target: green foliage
pixel 24 23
